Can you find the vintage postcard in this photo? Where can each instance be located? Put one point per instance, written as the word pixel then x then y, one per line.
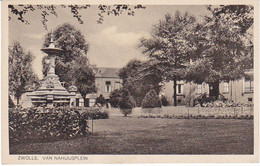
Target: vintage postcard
pixel 146 81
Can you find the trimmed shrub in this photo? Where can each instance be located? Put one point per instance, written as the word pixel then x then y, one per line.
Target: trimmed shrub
pixel 164 101
pixel 126 112
pixel 126 102
pixel 115 97
pixel 151 100
pixel 101 100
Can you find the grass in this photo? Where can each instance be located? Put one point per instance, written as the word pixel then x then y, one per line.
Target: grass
pixel 129 135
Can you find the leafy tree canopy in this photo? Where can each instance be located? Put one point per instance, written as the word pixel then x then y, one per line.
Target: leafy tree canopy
pixel 171 45
pixel 83 75
pixel 242 14
pixel 21 75
pixel 71 40
pixel 19 11
pixel 169 42
pixel 72 64
pixel 225 48
pixel 139 77
pixel 75 48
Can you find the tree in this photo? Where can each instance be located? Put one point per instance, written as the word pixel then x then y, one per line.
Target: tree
pixel 101 100
pixel 84 77
pixel 243 14
pixel 130 70
pixel 151 74
pixel 19 11
pixel 225 48
pixel 21 75
pixel 170 45
pixel 74 48
pixel 72 64
pixel 131 81
pixel 139 77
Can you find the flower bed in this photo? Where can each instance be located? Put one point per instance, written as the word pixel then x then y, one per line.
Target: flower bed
pixel 226 104
pixel 48 124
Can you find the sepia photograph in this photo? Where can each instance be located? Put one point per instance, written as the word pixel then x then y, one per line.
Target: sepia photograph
pixel 129 79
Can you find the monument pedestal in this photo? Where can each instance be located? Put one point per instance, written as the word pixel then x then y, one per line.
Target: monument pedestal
pixel 51 93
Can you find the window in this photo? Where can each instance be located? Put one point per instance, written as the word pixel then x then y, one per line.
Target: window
pixel 250 99
pixel 117 85
pixel 92 102
pixel 179 88
pixel 86 102
pixel 77 102
pixel 249 85
pixel 199 88
pixel 225 87
pixel 108 86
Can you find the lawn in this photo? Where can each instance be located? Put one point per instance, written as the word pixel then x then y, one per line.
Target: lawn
pixel 131 135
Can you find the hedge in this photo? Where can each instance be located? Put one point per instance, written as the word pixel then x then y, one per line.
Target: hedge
pixel 49 124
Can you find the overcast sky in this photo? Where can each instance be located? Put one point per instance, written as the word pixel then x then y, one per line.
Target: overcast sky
pixel 112 44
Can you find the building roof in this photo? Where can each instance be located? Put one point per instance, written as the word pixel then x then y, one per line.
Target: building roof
pixel 107 72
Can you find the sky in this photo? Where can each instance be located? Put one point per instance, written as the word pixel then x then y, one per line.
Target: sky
pixel 111 44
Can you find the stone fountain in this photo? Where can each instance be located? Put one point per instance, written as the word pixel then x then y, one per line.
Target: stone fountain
pixel 51 92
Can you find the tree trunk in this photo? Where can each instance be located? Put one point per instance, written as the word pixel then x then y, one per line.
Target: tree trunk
pixel 17 100
pixel 175 92
pixel 84 102
pixel 214 90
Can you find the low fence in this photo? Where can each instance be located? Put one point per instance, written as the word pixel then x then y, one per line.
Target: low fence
pixel 207 111
pixel 184 112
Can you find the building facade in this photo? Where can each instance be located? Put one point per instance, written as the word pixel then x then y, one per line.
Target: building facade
pixel 241 91
pixel 106 81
